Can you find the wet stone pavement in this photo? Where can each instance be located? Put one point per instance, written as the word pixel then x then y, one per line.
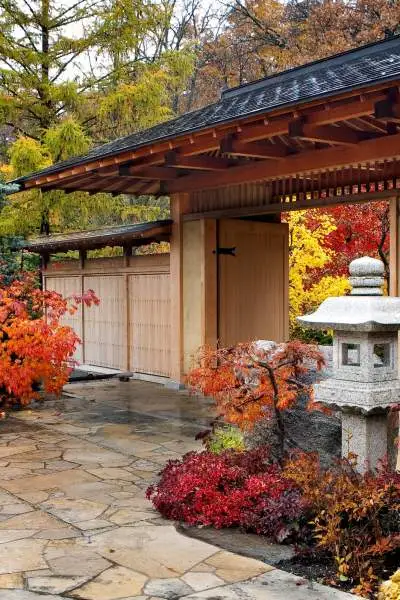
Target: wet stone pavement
pixel 74 521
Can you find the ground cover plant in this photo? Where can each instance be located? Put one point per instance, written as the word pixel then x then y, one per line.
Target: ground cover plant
pixel 223 438
pixel 232 489
pixel 35 347
pixel 335 515
pixel 354 517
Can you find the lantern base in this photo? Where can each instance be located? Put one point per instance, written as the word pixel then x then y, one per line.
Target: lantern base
pixel 363 397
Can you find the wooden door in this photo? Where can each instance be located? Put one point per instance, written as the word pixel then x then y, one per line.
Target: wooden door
pixel 253 284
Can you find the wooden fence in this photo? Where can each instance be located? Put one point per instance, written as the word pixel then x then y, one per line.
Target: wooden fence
pixel 131 328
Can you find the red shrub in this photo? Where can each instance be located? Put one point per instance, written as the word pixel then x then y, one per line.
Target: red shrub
pixel 239 489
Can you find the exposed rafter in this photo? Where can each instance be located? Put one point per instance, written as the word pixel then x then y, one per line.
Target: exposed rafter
pixel 160 173
pixel 304 162
pixel 330 134
pixel 201 163
pixel 231 145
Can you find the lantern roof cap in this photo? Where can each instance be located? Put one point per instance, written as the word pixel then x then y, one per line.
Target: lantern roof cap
pixel 366 309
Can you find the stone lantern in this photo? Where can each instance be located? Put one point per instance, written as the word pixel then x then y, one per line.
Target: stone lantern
pixel 365 381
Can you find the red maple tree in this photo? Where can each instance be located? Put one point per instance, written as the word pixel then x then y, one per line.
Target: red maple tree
pixel 35 347
pixel 254 381
pixel 361 230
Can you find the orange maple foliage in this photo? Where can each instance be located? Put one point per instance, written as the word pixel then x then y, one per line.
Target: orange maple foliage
pixel 253 381
pixel 35 348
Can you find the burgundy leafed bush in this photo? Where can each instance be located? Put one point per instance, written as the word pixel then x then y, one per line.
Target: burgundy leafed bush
pixel 231 489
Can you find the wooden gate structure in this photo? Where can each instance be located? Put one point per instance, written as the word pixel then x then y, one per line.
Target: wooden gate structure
pixel 130 330
pixel 322 134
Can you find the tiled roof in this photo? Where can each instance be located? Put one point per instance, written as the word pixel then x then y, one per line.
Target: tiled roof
pixel 343 72
pixel 136 234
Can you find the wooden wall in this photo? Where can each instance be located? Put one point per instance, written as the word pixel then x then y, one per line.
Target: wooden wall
pixel 66 286
pixel 233 197
pixel 131 328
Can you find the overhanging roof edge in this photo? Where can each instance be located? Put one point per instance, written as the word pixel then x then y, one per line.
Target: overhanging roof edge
pixel 220 112
pixel 138 233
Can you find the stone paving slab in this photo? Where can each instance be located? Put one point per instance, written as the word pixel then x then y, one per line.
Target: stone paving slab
pixel 74 520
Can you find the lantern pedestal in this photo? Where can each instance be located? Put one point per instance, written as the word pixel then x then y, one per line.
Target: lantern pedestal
pixel 365 435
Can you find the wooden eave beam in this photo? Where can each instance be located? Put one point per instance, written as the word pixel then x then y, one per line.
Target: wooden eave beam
pixel 363 106
pixel 230 145
pixel 78 179
pixel 279 207
pixel 329 134
pixel 201 163
pixel 305 162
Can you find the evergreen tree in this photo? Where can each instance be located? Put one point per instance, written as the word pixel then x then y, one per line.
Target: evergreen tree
pixel 59 60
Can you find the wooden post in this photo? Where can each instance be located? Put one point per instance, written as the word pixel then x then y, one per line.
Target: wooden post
pixel 394 290
pixel 179 206
pixel 44 261
pixel 394 256
pixel 82 258
pixel 128 319
pixel 199 266
pixel 127 254
pixel 82 319
pixel 209 283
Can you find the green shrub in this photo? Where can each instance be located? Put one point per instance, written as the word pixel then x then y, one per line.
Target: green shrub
pixel 225 438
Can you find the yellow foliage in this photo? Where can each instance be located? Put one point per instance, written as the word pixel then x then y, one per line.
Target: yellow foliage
pixel 390 590
pixel 28 155
pixel 306 252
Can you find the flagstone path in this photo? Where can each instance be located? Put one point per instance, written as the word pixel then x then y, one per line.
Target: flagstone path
pixel 74 521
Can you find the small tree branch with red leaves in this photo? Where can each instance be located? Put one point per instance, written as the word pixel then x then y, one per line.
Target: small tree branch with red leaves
pixel 35 347
pixel 256 380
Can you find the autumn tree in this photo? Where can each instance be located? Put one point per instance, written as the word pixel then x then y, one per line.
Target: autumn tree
pixel 34 211
pixel 36 55
pixel 310 280
pixel 12 260
pixel 58 60
pixel 258 38
pixel 253 381
pixel 360 230
pixel 35 348
pixel 295 32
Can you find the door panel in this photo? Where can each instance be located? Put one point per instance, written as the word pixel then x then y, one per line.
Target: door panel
pixel 253 284
pixel 105 324
pixel 67 286
pixel 150 323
